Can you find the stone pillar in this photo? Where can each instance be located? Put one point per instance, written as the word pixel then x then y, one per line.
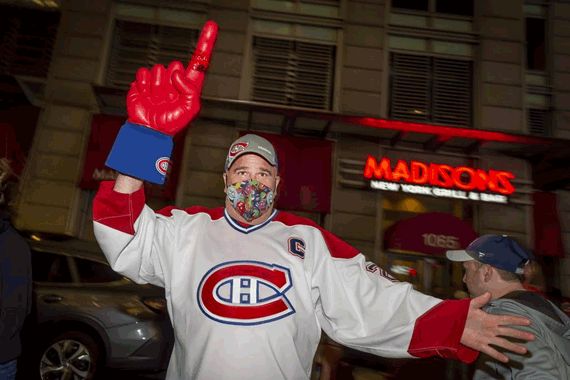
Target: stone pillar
pixel 362 61
pixel 500 74
pixel 50 199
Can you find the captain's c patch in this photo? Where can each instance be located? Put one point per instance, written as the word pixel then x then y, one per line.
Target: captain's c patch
pixel 296 247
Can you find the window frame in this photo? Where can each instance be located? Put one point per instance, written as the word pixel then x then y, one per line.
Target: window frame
pixel 430 82
pixel 190 16
pixel 332 84
pixel 538 82
pixel 432 10
pixel 193 34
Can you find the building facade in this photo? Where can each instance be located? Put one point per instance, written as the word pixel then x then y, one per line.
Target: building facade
pixel 476 86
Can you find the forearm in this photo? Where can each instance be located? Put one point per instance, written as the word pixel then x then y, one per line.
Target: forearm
pixel 127 185
pixel 382 320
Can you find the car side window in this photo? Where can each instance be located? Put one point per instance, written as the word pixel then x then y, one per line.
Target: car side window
pixel 94 272
pixel 50 267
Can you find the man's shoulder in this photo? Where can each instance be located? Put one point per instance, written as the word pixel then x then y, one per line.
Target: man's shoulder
pixel 530 305
pixel 337 247
pixel 500 305
pixel 290 219
pixel 213 213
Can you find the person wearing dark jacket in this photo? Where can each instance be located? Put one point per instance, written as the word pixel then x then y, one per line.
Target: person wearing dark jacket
pixel 15 287
pixel 495 264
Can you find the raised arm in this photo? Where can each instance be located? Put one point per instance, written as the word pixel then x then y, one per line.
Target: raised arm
pixel 161 102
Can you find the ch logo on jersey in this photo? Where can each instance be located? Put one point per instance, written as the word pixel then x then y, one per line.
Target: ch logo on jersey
pixel 296 247
pixel 245 293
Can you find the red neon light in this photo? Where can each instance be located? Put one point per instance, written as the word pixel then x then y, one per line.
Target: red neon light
pixel 440 175
pixel 445 133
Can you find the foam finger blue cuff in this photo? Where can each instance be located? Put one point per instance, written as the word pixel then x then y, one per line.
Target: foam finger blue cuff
pixel 141 152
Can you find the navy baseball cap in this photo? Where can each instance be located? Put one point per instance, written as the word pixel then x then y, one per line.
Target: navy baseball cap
pixel 499 251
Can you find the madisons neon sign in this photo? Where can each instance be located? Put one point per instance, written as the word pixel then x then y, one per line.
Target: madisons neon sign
pixel 439 180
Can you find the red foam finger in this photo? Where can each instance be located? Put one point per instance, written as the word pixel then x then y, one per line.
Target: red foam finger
pixel 201 57
pixel 181 84
pixel 174 66
pixel 157 75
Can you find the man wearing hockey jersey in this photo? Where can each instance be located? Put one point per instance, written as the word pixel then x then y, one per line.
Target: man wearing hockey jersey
pixel 249 288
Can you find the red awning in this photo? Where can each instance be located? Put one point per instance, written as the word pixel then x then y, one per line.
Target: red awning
pixel 305 168
pixel 430 233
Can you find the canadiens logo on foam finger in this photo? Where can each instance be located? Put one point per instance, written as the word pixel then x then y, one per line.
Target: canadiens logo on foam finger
pixel 245 293
pixel 162 165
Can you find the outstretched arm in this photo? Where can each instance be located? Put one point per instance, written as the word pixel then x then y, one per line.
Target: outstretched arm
pixel 483 330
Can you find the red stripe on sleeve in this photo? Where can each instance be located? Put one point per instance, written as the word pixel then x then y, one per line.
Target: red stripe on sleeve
pixel 438 332
pixel 117 210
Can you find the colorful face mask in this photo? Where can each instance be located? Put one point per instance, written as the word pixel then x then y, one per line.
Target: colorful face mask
pixel 250 198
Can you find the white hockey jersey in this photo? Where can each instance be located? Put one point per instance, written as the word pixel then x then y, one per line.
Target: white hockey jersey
pixel 250 302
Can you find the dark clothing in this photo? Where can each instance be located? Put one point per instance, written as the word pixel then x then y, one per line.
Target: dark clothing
pixel 548 355
pixel 15 288
pixel 536 302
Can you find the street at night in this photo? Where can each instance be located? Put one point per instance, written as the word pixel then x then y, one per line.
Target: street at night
pixel 284 189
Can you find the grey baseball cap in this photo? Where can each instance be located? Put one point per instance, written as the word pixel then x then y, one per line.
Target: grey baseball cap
pixel 251 144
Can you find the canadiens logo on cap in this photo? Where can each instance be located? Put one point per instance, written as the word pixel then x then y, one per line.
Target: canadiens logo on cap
pixel 236 148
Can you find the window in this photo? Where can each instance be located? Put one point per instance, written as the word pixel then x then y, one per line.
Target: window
pixel 50 267
pixel 535 43
pixel 138 45
pixel 27 40
pixel 538 121
pixel 538 97
pixel 453 7
pixel 293 73
pixel 319 8
pixel 414 5
pixel 430 89
pixel 94 272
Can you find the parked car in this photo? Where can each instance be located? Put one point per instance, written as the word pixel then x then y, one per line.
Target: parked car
pixel 87 317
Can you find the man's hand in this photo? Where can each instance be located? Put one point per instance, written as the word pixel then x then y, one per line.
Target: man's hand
pixel 168 99
pixel 483 330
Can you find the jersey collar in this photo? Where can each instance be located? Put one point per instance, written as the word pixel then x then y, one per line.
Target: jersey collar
pixel 250 228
